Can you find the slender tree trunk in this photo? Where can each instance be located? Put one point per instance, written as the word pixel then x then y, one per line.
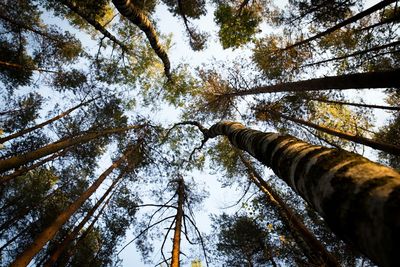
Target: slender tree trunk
pixel 72 235
pixel 40 125
pixel 89 19
pixel 47 234
pixel 16 161
pixel 359 199
pixel 18 66
pixel 312 248
pixel 360 15
pixel 383 79
pixel 353 104
pixel 389 148
pixel 395 18
pixel 139 18
pixel 176 251
pixel 358 53
pixel 19 172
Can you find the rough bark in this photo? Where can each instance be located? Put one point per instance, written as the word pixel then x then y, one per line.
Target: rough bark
pixel 313 249
pixel 72 235
pixel 359 199
pixel 178 225
pixel 47 234
pixel 95 24
pixel 360 15
pixel 389 148
pixel 358 53
pixel 139 18
pixel 40 125
pixel 382 79
pixel 354 104
pixel 19 160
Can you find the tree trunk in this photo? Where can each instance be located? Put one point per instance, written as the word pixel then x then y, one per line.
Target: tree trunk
pixel 178 225
pixel 47 234
pixel 359 199
pixel 95 24
pixel 18 66
pixel 40 125
pixel 358 53
pixel 353 104
pixel 314 250
pixel 16 161
pixel 139 18
pixel 389 148
pixel 72 235
pixel 360 15
pixel 383 79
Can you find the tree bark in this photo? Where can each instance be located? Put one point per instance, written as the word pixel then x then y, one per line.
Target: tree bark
pixel 47 234
pixel 139 18
pixel 95 24
pixel 383 79
pixel 40 125
pixel 16 161
pixel 72 235
pixel 18 66
pixel 178 225
pixel 360 15
pixel 359 199
pixel 353 104
pixel 389 148
pixel 313 249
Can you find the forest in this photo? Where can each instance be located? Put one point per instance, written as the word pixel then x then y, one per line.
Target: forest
pixel 199 133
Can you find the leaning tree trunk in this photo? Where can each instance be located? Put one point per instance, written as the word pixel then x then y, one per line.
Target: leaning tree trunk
pixel 139 18
pixel 72 235
pixel 362 105
pixel 313 249
pixel 389 148
pixel 16 161
pixel 176 251
pixel 381 79
pixel 359 199
pixel 360 15
pixel 40 125
pixel 47 234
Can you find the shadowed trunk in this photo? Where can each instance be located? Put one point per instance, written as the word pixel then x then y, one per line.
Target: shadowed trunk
pixel 47 234
pixel 139 18
pixel 359 199
pixel 353 104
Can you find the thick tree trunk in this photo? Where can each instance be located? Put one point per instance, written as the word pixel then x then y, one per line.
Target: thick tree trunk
pixel 16 161
pixel 72 235
pixel 383 79
pixel 358 53
pixel 95 24
pixel 176 251
pixel 389 148
pixel 359 199
pixel 313 249
pixel 40 125
pixel 360 15
pixel 353 104
pixel 139 18
pixel 47 234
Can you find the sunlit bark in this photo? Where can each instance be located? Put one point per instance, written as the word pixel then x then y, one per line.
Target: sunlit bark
pixel 178 225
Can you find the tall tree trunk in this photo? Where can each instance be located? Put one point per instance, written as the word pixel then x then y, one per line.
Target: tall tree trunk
pixel 382 79
pixel 353 104
pixel 40 125
pixel 139 18
pixel 176 251
pixel 359 199
pixel 89 19
pixel 358 53
pixel 47 234
pixel 389 148
pixel 16 161
pixel 313 249
pixel 19 172
pixel 72 235
pixel 360 15
pixel 18 66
